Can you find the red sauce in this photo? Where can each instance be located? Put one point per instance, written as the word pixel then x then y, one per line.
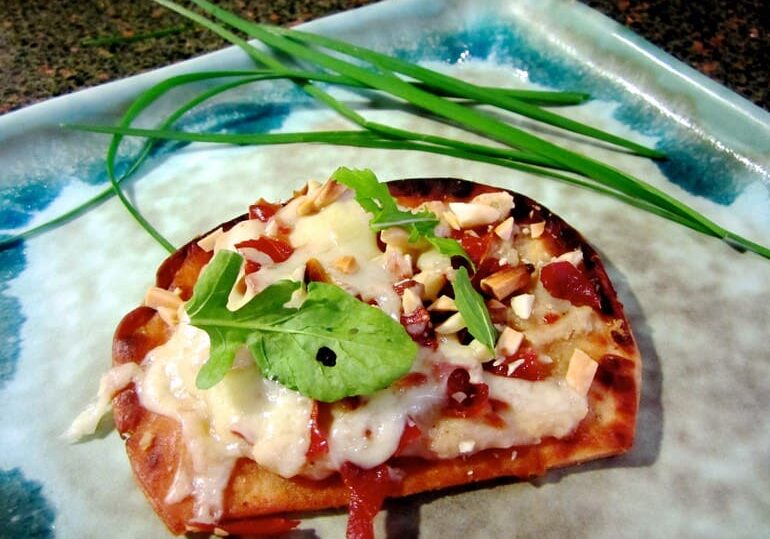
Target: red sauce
pixel 411 434
pixel 251 267
pixel 263 210
pixel 368 489
pixel 277 250
pixel 531 369
pixel 565 281
pixel 318 444
pixel 478 247
pixel 550 318
pixel 473 401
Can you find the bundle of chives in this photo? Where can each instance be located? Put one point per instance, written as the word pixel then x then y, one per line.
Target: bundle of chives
pixel 436 95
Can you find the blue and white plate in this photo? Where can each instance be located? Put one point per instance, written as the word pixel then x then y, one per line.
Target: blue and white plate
pixel 701 463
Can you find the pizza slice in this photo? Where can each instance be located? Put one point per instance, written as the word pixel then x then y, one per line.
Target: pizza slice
pixel 359 342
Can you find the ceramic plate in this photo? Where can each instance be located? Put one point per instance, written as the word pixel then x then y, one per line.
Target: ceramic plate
pixel 701 463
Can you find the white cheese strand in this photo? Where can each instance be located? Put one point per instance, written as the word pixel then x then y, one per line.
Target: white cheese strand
pixel 111 382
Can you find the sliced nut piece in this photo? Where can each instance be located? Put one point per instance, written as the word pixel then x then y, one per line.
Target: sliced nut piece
pixel 395 236
pixel 581 371
pixel 451 220
pixel 434 260
pixel 522 305
pixel 509 342
pixel 160 297
pixel 432 281
pixel 346 264
pixel 314 271
pixel 500 200
pixel 410 301
pixel 470 215
pixel 573 257
pixel 504 230
pixel 208 242
pixel 320 198
pixel 536 229
pixel 443 304
pixel 453 324
pixel 479 351
pixel 505 282
pixel 329 192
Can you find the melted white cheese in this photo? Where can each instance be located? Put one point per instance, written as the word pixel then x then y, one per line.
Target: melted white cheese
pixel 535 410
pixel 246 415
pixel 243 415
pixel 340 229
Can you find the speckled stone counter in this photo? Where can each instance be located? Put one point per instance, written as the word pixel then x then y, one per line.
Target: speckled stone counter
pixel 52 48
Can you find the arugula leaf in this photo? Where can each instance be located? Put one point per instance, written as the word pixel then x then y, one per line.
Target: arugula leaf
pixel 474 311
pixel 332 346
pixel 375 198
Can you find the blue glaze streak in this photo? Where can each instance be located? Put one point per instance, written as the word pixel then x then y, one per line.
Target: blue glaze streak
pixel 693 163
pixel 12 262
pixel 20 201
pixel 24 511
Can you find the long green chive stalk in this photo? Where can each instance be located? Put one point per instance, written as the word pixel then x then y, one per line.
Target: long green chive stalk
pixel 469 118
pixel 242 78
pixel 436 95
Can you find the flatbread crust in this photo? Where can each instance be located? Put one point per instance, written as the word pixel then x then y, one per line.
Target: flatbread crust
pixel 155 447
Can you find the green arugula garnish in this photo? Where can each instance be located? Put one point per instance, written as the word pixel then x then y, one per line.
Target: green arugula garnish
pixel 471 305
pixel 330 347
pixel 375 198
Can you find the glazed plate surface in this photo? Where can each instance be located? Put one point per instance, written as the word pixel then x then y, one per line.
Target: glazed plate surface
pixel 701 463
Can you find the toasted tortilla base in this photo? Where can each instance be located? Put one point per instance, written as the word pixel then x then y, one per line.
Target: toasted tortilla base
pixel 155 447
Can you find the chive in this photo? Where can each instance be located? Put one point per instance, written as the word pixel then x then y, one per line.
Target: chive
pixel 247 76
pixel 431 79
pixel 525 151
pixel 471 120
pixel 365 140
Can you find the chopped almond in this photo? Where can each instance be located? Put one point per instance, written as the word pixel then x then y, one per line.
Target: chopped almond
pixel 395 236
pixel 536 229
pixel 410 301
pixel 314 271
pixel 451 220
pixel 522 305
pixel 505 282
pixel 504 230
pixel 207 242
pixel 346 264
pixel 432 281
pixel 470 215
pixel 320 198
pixel 581 371
pixel 160 297
pixel 443 304
pixel 509 342
pixel 500 200
pixel 453 324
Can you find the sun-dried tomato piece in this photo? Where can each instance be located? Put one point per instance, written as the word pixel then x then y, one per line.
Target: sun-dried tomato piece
pixel 565 281
pixel 464 398
pixel 368 489
pixel 277 250
pixel 263 210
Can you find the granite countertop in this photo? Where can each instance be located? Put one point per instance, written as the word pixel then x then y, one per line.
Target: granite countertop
pixel 53 48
